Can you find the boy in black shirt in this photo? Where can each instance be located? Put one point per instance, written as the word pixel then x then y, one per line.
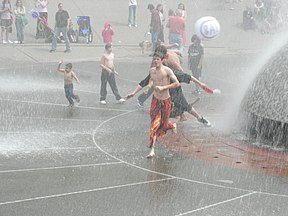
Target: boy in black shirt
pixel 195 58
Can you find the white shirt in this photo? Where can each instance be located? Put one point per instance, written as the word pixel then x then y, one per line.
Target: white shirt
pixel 132 2
pixel 41 5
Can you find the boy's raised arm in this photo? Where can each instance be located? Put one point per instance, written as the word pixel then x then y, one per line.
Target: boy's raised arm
pixel 59 65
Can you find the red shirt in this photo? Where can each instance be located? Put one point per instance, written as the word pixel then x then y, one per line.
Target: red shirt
pixel 176 24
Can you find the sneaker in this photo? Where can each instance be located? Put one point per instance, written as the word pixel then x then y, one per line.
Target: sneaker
pixel 67 51
pixel 103 102
pixel 4 42
pixel 16 42
pixel 10 42
pixel 204 121
pixel 135 26
pixel 122 100
pixel 129 25
pixel 140 104
pixel 52 50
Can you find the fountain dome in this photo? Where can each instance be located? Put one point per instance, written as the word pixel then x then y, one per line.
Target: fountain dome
pixel 264 109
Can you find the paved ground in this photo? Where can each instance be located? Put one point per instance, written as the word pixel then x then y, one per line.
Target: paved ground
pixel 91 160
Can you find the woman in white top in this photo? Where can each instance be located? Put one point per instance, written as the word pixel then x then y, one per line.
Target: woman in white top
pixel 19 13
pixel 41 7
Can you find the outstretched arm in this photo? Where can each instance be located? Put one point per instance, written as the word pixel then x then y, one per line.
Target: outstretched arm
pixel 202 85
pixel 141 85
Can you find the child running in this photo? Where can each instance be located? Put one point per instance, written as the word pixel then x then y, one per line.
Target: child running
pixel 161 77
pixel 69 75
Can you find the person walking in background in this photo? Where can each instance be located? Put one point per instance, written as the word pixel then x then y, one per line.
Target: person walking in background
pixel 19 14
pixel 108 75
pixel 156 25
pixel 176 27
pixel 69 75
pixel 195 59
pixel 6 23
pixel 62 21
pixel 132 13
pixel 107 33
pixel 41 8
pixel 181 8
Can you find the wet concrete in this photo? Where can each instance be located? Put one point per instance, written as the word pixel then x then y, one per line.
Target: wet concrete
pixel 91 160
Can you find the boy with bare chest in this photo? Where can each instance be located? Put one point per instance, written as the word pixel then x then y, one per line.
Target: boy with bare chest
pixel 108 75
pixel 69 75
pixel 161 77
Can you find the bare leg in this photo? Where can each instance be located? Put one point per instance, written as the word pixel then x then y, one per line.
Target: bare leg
pixel 194 113
pixel 174 131
pixel 152 153
pixel 182 117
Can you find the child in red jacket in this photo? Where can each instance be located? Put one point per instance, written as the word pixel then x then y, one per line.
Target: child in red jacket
pixel 107 33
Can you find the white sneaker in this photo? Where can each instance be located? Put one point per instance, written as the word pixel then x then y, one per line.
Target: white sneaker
pixel 122 100
pixel 129 25
pixel 103 102
pixel 4 42
pixel 10 42
pixel 16 42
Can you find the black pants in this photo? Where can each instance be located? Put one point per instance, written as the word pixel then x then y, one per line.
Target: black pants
pixel 110 78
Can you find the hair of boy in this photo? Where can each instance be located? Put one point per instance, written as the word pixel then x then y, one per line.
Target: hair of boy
pixel 162 49
pixel 107 46
pixel 195 38
pixel 69 65
pixel 159 55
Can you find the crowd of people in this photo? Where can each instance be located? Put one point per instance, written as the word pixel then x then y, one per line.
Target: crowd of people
pixel 16 14
pixel 265 16
pixel 165 74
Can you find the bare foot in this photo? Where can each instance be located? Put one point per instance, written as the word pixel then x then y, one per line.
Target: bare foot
pixel 152 154
pixel 183 118
pixel 174 130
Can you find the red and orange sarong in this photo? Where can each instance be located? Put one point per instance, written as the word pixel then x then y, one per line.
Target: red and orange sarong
pixel 159 115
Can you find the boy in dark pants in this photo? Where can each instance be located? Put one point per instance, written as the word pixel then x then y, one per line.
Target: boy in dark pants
pixel 195 59
pixel 69 75
pixel 108 75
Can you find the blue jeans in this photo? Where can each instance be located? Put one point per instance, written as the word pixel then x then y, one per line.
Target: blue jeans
pixel 132 15
pixel 176 38
pixel 70 94
pixel 19 29
pixel 56 35
pixel 155 39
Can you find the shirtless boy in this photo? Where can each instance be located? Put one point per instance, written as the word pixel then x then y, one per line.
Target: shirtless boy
pixel 161 77
pixel 69 75
pixel 108 75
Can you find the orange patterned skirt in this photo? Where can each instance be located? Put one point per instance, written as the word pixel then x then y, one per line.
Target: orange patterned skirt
pixel 159 115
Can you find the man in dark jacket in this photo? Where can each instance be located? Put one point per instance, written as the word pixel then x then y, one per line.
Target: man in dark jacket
pixel 62 20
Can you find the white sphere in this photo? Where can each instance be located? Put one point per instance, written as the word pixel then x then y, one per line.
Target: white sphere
pixel 207 28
